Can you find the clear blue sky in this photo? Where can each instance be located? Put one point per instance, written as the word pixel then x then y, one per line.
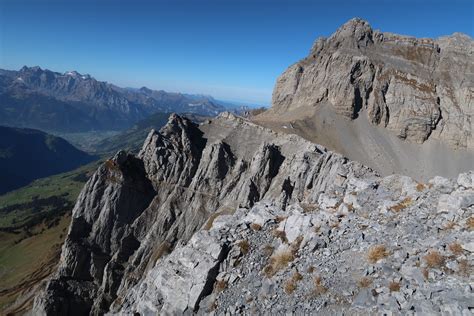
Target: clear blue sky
pixel 230 49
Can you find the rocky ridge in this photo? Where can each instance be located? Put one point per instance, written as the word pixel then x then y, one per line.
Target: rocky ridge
pixel 416 88
pixel 134 210
pixel 197 222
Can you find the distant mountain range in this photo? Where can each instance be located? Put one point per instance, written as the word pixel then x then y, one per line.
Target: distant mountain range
pixel 72 102
pixel 27 154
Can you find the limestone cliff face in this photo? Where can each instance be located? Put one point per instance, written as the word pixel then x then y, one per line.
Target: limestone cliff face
pixel 416 88
pixel 134 210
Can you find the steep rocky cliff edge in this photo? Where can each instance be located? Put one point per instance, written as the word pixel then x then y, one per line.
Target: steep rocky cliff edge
pixel 224 215
pixel 395 103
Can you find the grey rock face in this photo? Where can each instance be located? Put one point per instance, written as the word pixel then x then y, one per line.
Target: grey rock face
pixel 392 252
pixel 134 210
pixel 416 88
pixel 100 239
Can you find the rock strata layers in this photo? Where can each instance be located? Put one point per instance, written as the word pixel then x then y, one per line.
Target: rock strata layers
pixel 416 88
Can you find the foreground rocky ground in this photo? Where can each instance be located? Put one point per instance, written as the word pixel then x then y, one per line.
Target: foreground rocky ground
pixel 385 245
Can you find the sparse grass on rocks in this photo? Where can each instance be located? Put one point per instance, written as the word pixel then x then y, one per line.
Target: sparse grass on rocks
pixel 394 286
pixel 256 226
pixel 377 253
pixel 464 268
pixel 449 225
pixel 420 187
pixel 278 261
pixel 280 234
pixel 470 223
pixel 406 202
pixel 365 282
pixel 219 286
pixel 434 259
pixel 291 284
pixel 244 246
pixel 319 288
pixel 425 271
pixel 456 248
pixel 280 219
pixel 268 250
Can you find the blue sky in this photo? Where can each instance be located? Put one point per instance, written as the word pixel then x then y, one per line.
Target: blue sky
pixel 231 49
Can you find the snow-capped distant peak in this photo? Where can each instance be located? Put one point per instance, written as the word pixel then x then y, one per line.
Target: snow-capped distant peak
pixel 72 73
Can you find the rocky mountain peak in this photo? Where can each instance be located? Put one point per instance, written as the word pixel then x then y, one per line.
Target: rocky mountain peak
pixel 26 69
pixel 396 103
pixel 179 127
pixel 355 33
pixel 146 90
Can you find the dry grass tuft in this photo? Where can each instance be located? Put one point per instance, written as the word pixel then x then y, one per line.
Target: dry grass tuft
pixel 318 280
pixel 268 271
pixel 278 261
pixel 308 208
pixel 280 234
pixel 394 286
pixel 377 253
pixel 281 259
pixel 449 225
pixel 295 245
pixel 319 287
pixel 311 269
pixel 434 259
pixel 268 250
pixel 365 282
pixel 470 223
pixel 255 226
pixel 464 268
pixel 297 276
pixel 290 285
pixel 219 286
pixel 420 187
pixel 425 272
pixel 244 246
pixel 406 202
pixel 280 219
pixel 456 248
